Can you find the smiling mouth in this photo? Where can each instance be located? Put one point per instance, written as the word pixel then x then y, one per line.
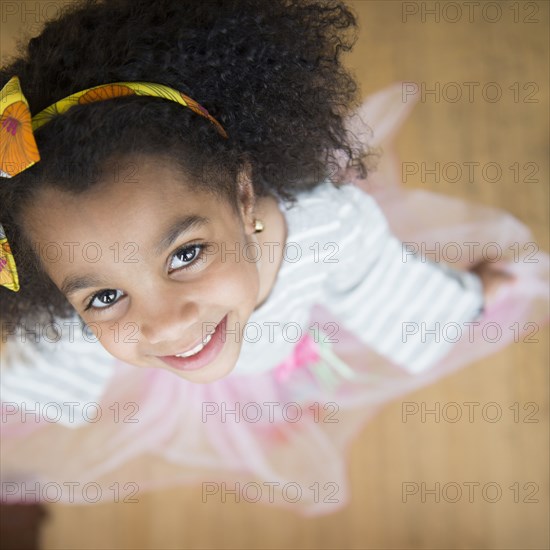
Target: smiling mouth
pixel 202 354
pixel 196 349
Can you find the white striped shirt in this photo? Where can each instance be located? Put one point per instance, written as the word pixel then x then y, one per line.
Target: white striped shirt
pixel 52 377
pixel 350 263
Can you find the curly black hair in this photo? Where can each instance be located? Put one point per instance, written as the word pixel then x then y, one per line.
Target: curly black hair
pixel 269 71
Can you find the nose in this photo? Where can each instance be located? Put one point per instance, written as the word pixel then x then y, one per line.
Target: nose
pixel 168 321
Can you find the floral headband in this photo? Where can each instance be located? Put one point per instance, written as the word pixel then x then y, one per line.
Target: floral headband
pixel 18 149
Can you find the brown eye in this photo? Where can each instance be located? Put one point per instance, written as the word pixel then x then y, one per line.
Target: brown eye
pixel 104 299
pixel 186 256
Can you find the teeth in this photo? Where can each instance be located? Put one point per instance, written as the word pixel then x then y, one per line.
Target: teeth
pixel 197 348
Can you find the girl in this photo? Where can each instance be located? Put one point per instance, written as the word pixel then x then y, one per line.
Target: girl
pixel 178 197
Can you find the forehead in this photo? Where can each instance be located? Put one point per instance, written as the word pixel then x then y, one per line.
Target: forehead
pixel 132 199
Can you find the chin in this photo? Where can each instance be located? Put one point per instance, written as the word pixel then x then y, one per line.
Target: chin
pixel 205 375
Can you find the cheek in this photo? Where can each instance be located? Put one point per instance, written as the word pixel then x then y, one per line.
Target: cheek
pixel 238 281
pixel 119 343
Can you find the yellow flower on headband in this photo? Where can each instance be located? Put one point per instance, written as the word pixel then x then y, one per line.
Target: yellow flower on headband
pixel 8 272
pixel 18 149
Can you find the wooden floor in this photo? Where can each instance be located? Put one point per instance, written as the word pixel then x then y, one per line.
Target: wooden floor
pixel 509 48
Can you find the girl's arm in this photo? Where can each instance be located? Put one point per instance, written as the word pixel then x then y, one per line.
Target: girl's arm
pixel 406 308
pixel 39 369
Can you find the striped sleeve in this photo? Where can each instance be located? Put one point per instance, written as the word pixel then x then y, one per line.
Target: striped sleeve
pixel 62 377
pixel 399 304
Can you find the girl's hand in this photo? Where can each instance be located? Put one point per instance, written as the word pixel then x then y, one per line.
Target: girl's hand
pixel 492 277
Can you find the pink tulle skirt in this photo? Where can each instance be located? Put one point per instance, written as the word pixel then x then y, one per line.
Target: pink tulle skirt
pixel 278 438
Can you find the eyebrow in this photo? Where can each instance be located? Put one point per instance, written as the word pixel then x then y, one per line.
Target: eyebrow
pixel 74 283
pixel 180 226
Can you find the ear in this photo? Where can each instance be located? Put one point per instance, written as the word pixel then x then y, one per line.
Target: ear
pixel 246 197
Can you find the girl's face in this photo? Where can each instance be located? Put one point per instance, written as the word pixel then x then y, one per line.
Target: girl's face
pixel 154 267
